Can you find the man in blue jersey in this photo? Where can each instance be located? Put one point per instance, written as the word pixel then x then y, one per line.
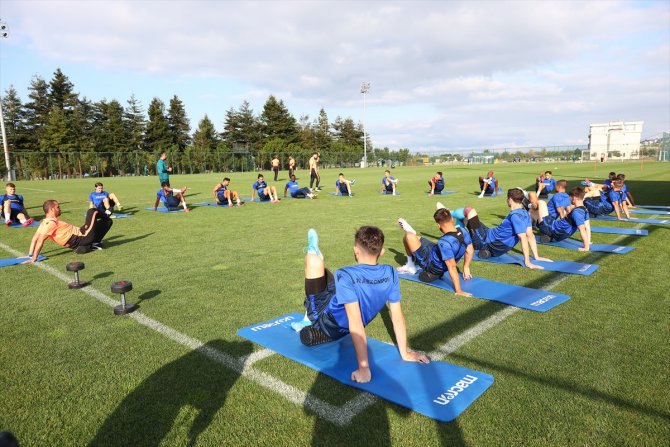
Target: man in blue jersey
pixel 558 204
pixel 265 192
pixel 162 169
pixel 436 259
pixel 344 303
pixel 625 191
pixel 545 184
pixel 343 186
pixel 436 184
pixel 617 197
pixel 388 183
pixel 171 198
pixel 296 191
pixel 515 228
pixel 104 201
pixel 13 208
pixel 488 186
pixel 225 196
pixel 576 219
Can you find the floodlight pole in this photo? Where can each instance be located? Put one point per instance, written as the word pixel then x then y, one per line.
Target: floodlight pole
pixel 4 32
pixel 365 88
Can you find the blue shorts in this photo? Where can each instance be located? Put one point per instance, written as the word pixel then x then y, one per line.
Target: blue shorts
pixel 597 207
pixel 262 196
pixel 221 198
pixel 388 188
pixel 478 235
pixel 545 228
pixel 315 307
pixel 171 202
pixel 422 257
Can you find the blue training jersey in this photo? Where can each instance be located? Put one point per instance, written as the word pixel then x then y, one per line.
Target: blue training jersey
pixel 560 199
pixel 292 187
pixel 616 196
pixel 564 228
pixel 342 186
pixel 516 222
pixel 391 180
pixel 259 186
pixel 15 201
pixel 449 247
pixel 371 285
pixel 549 185
pixel 165 197
pixel 97 198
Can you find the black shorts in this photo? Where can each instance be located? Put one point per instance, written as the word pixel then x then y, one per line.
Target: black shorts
pixel 315 308
pixel 422 257
pixel 479 234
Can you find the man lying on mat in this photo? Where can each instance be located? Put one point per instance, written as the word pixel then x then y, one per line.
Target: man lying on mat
pixel 600 200
pixel 515 228
pixel 81 240
pixel 436 259
pixel 13 209
pixel 296 191
pixel 346 302
pixel 225 196
pixel 170 197
pixel 488 186
pixel 556 230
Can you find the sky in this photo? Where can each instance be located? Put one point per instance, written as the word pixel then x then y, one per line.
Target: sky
pixel 444 75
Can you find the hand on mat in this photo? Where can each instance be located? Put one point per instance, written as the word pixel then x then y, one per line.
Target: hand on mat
pixel 461 293
pixel 29 259
pixel 413 356
pixel 361 375
pixel 534 266
pixel 186 210
pixel 582 249
pixel 466 273
pixel 543 259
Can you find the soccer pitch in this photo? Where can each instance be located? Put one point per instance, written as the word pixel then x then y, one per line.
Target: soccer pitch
pixel 592 371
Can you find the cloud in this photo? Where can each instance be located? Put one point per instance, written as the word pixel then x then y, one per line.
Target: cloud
pixel 506 67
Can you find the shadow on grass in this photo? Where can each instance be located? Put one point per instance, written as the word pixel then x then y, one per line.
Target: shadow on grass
pixel 180 399
pixel 113 241
pixel 148 295
pixel 103 275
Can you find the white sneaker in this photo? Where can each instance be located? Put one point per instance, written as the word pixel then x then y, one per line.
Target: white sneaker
pixel 439 205
pixel 406 226
pixel 406 269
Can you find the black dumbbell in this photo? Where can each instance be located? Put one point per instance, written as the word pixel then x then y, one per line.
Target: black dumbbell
pixel 75 266
pixel 121 287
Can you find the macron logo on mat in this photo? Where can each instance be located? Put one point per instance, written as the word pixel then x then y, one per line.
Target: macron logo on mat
pixel 541 301
pixel 271 324
pixel 618 249
pixel 455 390
pixel 585 268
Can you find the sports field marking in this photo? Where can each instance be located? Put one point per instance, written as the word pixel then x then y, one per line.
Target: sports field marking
pixel 33 189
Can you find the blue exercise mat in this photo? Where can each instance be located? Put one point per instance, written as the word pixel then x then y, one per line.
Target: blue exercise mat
pixel 213 204
pixel 575 268
pixel 384 193
pixel 257 200
pixel 652 212
pixel 575 245
pixel 654 207
pixel 18 225
pixel 636 220
pixel 488 196
pixel 337 194
pixel 162 209
pixel 16 261
pixel 443 193
pixel 519 296
pixel 626 231
pixel 118 215
pixel 438 390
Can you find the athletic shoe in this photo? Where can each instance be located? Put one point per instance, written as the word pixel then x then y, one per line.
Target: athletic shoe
pixel 311 336
pixel 28 222
pixel 586 182
pixel 108 212
pixel 313 243
pixel 353 182
pixel 406 226
pixel 119 207
pixel 8 222
pixel 317 189
pixel 299 326
pixel 439 205
pixel 406 269
pixel 484 253
pixel 96 246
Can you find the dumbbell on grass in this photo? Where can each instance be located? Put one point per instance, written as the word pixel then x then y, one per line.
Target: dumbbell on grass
pixel 121 287
pixel 75 266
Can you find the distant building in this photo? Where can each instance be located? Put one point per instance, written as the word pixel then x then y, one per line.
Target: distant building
pixel 482 157
pixel 616 139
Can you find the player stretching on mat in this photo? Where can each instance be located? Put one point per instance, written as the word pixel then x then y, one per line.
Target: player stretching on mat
pixel 343 186
pixel 314 172
pixel 225 196
pixel 488 186
pixel 265 192
pixel 13 208
pixel 501 239
pixel 81 240
pixel 436 259
pixel 389 183
pixel 577 219
pixel 627 194
pixel 344 303
pixel 545 184
pixel 436 183
pixel 558 204
pixel 296 191
pixel 170 197
pixel 104 201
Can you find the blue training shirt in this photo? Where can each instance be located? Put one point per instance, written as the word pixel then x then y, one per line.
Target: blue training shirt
pixel 165 198
pixel 391 180
pixel 97 198
pixel 449 247
pixel 342 186
pixel 564 228
pixel 260 187
pixel 516 222
pixel 371 285
pixel 616 196
pixel 549 185
pixel 560 199
pixel 16 201
pixel 292 187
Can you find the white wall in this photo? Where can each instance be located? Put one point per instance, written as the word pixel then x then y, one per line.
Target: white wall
pixel 616 136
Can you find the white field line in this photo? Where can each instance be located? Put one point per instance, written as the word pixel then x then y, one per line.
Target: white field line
pixel 40 190
pixel 341 416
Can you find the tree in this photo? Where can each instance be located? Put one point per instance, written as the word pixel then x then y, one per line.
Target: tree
pixel 134 124
pixel 56 138
pixel 15 120
pixel 61 94
pixel 277 122
pixel 322 135
pixel 158 136
pixel 179 124
pixel 37 112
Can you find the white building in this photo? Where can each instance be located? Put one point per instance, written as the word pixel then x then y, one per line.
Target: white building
pixel 617 139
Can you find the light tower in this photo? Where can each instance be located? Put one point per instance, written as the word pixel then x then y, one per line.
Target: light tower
pixel 365 88
pixel 4 33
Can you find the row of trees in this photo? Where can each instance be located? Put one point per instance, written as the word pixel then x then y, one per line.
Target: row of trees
pixel 57 133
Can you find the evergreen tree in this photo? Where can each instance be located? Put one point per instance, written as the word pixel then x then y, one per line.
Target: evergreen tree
pixel 135 124
pixel 277 122
pixel 322 135
pixel 205 137
pixel 179 124
pixel 158 135
pixel 37 112
pixel 56 140
pixel 231 127
pixel 61 94
pixel 248 128
pixel 14 115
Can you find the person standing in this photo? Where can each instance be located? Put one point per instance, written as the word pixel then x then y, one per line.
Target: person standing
pixel 291 166
pixel 275 166
pixel 314 171
pixel 162 169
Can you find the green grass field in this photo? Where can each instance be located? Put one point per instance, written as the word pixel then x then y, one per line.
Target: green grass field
pixel 592 371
